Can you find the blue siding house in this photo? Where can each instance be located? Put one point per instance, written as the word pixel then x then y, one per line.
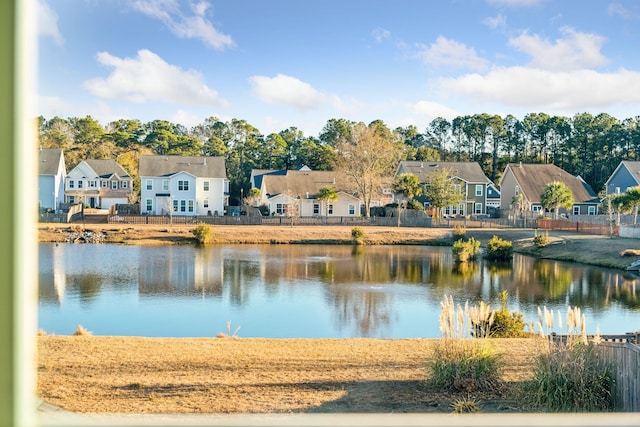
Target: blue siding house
pixel 625 176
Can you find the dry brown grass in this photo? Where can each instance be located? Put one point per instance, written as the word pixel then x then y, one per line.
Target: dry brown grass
pixel 209 375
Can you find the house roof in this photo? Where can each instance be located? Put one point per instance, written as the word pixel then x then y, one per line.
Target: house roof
pixel 299 183
pixel 49 161
pixel 202 167
pixel 104 168
pixel 632 167
pixel 533 178
pixel 466 171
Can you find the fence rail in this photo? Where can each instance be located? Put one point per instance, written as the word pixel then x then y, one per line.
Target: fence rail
pixel 579 227
pixel 626 358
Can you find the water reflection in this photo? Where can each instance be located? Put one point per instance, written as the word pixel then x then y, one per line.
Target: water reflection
pixel 306 290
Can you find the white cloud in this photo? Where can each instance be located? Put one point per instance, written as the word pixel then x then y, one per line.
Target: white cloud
pixel 576 50
pixel 430 110
pixel 48 23
pixel 194 26
pixel 149 78
pixel 514 3
pixel 380 34
pixel 496 22
pixel 616 9
pixel 186 118
pixel 447 52
pixel 544 90
pixel 288 91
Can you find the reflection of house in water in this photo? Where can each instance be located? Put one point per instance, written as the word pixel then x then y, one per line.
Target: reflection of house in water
pixel 52 282
pixel 181 272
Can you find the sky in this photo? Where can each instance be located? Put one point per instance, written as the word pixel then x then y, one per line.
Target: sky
pixel 299 63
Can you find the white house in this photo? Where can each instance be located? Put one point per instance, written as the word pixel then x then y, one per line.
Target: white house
pixel 98 183
pixel 51 173
pixel 183 185
pixel 295 192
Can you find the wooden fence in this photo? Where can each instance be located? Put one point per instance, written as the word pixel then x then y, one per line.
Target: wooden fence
pixel 579 227
pixel 626 359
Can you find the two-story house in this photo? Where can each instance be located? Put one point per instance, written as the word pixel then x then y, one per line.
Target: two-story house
pixel 296 192
pixel 522 185
pixel 51 173
pixel 98 183
pixel 625 176
pixel 469 178
pixel 183 185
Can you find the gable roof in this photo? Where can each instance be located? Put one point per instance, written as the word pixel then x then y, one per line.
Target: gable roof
pixel 301 182
pixel 632 167
pixel 533 178
pixel 104 168
pixel 49 161
pixel 466 171
pixel 199 166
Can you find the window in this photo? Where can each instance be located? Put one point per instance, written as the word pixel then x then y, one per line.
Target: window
pixel 183 185
pixel 125 184
pixel 331 209
pixel 592 210
pixel 477 208
pixel 79 183
pixel 70 183
pixel 536 208
pixel 190 205
pixel 352 209
pixel 114 185
pixel 206 186
pixel 280 208
pixel 175 206
pixel 617 190
pixel 316 208
pixel 457 188
pixel 183 205
pixel 105 184
pixel 92 184
pixel 149 203
pixel 165 185
pixel 479 190
pixel 149 184
pixel 576 210
pixel 205 203
pixel 71 200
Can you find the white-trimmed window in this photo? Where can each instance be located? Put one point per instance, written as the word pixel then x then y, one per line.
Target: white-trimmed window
pixel 183 205
pixel 190 205
pixel 125 184
pixel 205 185
pixel 71 183
pixel 114 185
pixel 175 205
pixel 352 209
pixel 149 184
pixel 105 184
pixel 331 209
pixel 576 210
pixel 536 208
pixel 478 189
pixel 79 183
pixel 205 203
pixel 316 208
pixel 477 208
pixel 149 205
pixel 280 208
pixel 183 185
pixel 92 184
pixel 165 185
pixel 592 210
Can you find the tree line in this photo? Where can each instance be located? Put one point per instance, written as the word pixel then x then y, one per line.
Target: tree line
pixel 586 145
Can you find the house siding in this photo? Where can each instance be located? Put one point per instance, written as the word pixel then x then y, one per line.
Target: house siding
pixel 621 179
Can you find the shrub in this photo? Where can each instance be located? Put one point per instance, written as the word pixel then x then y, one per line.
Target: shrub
pixel 415 205
pixel 541 240
pixel 505 323
pixel 357 234
pixel 499 249
pixel 466 250
pixel 203 233
pixel 81 331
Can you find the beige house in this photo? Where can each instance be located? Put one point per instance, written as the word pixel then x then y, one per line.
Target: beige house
pixel 295 193
pixel 98 183
pixel 522 185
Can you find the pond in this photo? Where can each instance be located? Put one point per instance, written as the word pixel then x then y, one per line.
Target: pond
pixel 307 291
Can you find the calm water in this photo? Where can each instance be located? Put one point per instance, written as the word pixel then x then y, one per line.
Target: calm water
pixel 306 291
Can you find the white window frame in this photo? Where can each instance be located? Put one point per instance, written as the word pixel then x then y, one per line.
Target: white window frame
pixel 92 184
pixel 536 208
pixel 149 184
pixel 149 205
pixel 71 183
pixel 183 185
pixel 477 208
pixel 576 210
pixel 591 210
pixel 175 205
pixel 114 185
pixel 316 208
pixel 281 208
pixel 478 189
pixel 80 184
pixel 190 206
pixel 165 185
pixel 352 209
pixel 205 203
pixel 125 184
pixel 205 185
pixel 105 184
pixel 183 205
pixel 330 209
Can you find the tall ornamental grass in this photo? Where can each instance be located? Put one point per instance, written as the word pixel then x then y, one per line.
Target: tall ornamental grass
pixel 461 363
pixel 571 377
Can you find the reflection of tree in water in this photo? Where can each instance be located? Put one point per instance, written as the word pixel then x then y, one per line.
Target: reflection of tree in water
pixel 365 308
pixel 466 269
pixel 555 279
pixel 88 286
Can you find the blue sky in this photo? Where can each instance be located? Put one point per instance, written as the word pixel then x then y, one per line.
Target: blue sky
pixel 283 63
